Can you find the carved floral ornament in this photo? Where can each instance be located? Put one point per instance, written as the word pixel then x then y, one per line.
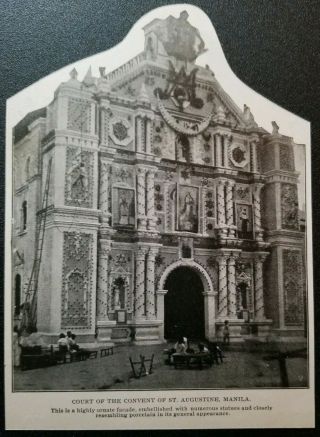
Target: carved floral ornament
pixel 120 131
pixel 238 155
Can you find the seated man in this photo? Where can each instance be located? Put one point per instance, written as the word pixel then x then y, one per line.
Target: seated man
pixel 74 347
pixel 180 347
pixel 63 343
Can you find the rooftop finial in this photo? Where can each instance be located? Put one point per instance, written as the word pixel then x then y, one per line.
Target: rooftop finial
pixel 74 74
pixel 88 78
pixel 275 128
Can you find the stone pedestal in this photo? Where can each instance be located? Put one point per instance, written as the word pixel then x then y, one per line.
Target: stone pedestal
pixel 104 328
pixel 235 327
pixel 263 328
pixel 147 332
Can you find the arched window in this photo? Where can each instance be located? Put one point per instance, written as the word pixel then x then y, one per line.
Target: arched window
pixel 17 295
pixel 27 169
pixel 24 215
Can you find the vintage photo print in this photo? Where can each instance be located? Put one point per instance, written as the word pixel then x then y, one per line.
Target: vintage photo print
pixel 158 230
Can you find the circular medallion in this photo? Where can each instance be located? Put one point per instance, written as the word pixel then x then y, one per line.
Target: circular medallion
pixel 238 155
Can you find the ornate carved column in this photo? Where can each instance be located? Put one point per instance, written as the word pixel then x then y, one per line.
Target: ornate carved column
pixel 203 217
pixel 105 168
pixel 254 156
pixel 166 205
pixel 150 286
pixel 104 122
pixel 140 139
pixel 102 283
pixel 257 211
pixel 218 143
pixel 148 127
pixel 223 291
pixel 141 198
pixel 229 207
pixel 232 298
pixel 150 200
pixel 221 206
pixel 140 284
pixel 258 288
pixel 226 141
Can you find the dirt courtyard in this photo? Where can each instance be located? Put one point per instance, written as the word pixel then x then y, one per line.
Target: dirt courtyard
pixel 240 369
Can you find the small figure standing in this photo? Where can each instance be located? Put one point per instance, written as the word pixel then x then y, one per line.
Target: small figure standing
pixel 226 333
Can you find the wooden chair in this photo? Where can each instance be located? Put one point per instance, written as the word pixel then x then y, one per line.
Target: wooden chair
pixel 141 371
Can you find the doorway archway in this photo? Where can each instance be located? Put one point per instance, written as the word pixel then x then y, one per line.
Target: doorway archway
pixel 184 305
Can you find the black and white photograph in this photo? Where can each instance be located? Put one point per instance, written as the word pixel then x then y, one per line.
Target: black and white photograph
pixel 160 214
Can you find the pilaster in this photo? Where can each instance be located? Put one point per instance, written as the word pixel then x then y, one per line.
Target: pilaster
pixel 257 211
pixel 221 208
pixel 223 290
pixel 105 166
pixel 160 294
pixel 218 147
pixel 150 285
pixel 230 207
pixel 150 200
pixel 102 286
pixel 232 298
pixel 140 309
pixel 259 313
pixel 141 198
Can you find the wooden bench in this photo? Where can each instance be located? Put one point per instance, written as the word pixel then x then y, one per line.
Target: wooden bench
pixel 36 356
pixel 198 361
pixel 91 354
pixel 106 351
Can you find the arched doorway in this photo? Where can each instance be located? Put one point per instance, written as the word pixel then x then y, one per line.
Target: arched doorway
pixel 184 305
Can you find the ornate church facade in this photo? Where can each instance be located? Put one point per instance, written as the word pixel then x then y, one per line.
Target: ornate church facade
pixel 169 209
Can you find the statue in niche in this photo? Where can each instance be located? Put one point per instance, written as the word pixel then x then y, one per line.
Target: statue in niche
pixel 118 292
pixel 188 216
pixel 123 207
pixel 123 211
pixel 78 181
pixel 244 219
pixel 242 290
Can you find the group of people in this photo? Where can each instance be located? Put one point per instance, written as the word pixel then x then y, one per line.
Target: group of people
pixel 67 343
pixel 182 347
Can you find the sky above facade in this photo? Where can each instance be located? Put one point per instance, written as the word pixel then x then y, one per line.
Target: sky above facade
pixel 41 93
